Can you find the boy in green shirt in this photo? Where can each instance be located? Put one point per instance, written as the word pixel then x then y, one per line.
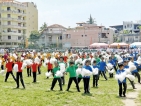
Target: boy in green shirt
pixel 72 71
pixel 56 68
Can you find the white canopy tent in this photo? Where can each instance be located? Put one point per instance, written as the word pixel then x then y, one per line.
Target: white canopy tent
pixel 136 44
pixel 98 45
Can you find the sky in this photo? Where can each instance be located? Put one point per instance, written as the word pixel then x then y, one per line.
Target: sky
pixel 69 12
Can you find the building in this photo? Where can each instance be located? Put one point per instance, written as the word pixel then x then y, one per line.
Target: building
pixel 51 37
pixel 130 38
pixel 85 34
pixel 17 20
pixel 128 26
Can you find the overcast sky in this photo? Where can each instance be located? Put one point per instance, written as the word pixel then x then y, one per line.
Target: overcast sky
pixel 69 12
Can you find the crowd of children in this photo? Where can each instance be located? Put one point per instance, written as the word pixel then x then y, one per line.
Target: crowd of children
pixel 71 66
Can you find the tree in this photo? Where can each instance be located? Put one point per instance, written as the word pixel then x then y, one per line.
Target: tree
pixel 43 26
pixel 34 37
pixel 91 20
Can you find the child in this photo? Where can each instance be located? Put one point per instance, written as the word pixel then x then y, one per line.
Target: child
pixel 50 66
pixel 95 77
pixel 63 77
pixel 56 68
pixel 9 66
pixel 121 67
pixel 86 79
pixel 34 67
pixel 102 67
pixel 19 73
pixel 72 71
pixel 126 67
pixel 112 62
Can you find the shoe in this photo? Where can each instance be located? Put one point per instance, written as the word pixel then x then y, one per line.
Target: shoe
pixel 67 90
pixel 124 95
pixel 88 92
pixel 61 90
pixel 120 95
pixel 79 91
pixel 85 92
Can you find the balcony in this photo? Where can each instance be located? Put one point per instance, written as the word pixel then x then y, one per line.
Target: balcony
pixel 22 6
pixel 14 26
pixel 12 33
pixel 14 19
pixel 14 12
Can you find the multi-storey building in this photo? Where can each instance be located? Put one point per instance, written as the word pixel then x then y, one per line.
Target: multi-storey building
pixel 85 34
pixel 16 22
pixel 51 37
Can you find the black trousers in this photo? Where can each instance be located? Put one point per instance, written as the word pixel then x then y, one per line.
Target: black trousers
pixel 70 81
pixel 78 80
pixel 2 67
pixel 39 71
pixel 102 72
pixel 34 76
pixel 115 68
pixel 28 72
pixel 138 76
pixel 63 80
pixel 111 75
pixel 132 83
pixel 86 84
pixel 122 90
pixel 54 82
pixel 7 75
pixel 95 80
pixel 19 76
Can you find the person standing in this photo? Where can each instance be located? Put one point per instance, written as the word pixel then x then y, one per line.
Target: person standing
pixel 86 79
pixel 102 67
pixel 34 67
pixel 123 83
pixel 19 73
pixel 49 66
pixel 9 67
pixel 95 77
pixel 72 72
pixel 56 78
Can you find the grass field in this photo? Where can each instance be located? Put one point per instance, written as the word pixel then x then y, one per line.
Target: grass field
pixel 39 94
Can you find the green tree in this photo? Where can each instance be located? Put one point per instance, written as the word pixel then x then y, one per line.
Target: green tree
pixel 140 27
pixel 43 26
pixel 33 39
pixel 91 20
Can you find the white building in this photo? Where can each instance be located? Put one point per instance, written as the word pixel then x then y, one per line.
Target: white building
pixel 52 36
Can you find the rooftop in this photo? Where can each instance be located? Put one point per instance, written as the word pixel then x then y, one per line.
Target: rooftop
pixel 56 26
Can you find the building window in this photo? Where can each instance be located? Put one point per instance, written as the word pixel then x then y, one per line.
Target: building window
pixel 19 17
pixel 15 43
pixel 19 10
pixel 0 22
pixel 19 31
pixel 50 38
pixel 8 9
pixel 136 37
pixel 9 22
pixel 82 35
pixel 103 35
pixel 50 29
pixel 8 43
pixel 19 24
pixel 9 37
pixel 19 37
pixel 85 35
pixel 9 30
pixel 8 15
pixel 125 27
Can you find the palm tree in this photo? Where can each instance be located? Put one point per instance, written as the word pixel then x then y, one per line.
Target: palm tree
pixel 43 26
pixel 91 20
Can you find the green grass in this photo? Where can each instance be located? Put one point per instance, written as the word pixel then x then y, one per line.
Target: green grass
pixel 38 94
